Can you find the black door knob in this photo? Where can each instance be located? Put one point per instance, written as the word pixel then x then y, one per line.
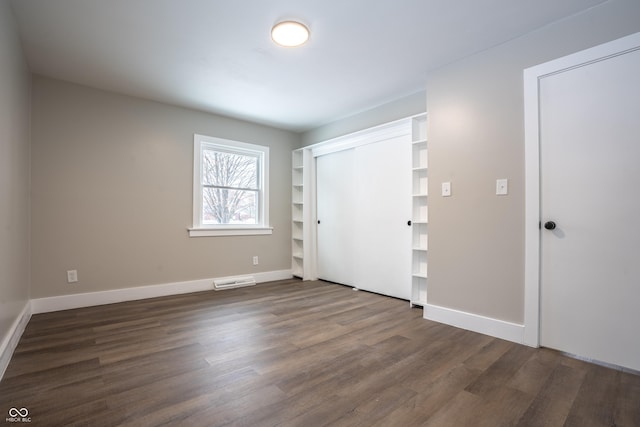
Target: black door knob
pixel 318 221
pixel 550 225
pixel 409 223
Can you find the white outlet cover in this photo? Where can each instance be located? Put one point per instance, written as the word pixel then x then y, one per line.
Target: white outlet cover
pixel 502 187
pixel 446 189
pixel 72 276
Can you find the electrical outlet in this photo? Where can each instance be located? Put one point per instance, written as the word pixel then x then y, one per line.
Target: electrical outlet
pixel 72 276
pixel 502 187
pixel 446 189
pixel 255 260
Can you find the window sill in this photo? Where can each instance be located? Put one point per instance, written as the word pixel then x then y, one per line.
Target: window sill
pixel 244 231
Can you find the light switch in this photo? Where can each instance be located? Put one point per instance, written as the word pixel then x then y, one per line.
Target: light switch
pixel 502 187
pixel 446 189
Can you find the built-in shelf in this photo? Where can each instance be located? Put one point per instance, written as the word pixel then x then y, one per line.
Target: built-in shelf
pixel 420 212
pixel 299 226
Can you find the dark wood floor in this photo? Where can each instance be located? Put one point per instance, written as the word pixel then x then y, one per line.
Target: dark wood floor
pixel 296 353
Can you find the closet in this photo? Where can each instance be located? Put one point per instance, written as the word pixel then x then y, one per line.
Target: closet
pixel 359 210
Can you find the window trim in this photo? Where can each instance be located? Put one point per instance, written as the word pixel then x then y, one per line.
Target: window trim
pixel 198 229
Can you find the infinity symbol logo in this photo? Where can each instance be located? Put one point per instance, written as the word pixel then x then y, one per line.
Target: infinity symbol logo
pixel 23 412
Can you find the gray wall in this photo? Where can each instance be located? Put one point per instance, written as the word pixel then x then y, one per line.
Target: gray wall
pixel 398 109
pixel 476 135
pixel 14 173
pixel 112 193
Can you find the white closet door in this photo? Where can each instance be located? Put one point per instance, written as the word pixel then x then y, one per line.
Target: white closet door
pixel 590 267
pixel 336 206
pixel 383 201
pixel 363 206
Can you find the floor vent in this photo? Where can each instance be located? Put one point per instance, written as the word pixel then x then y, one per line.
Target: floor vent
pixel 233 282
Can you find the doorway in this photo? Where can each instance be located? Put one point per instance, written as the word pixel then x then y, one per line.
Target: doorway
pixel 583 238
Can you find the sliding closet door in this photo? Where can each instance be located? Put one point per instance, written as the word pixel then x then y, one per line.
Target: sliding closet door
pixel 363 206
pixel 383 201
pixel 336 205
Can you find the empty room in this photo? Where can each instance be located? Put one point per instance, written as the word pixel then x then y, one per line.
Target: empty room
pixel 319 213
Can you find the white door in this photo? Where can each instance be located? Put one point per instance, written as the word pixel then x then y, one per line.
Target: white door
pixel 336 189
pixel 383 184
pixel 590 188
pixel 363 205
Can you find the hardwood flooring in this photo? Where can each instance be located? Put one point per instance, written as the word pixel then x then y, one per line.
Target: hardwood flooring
pixel 296 353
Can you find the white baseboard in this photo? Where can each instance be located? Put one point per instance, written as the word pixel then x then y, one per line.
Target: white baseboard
pixel 476 323
pixel 66 302
pixel 10 341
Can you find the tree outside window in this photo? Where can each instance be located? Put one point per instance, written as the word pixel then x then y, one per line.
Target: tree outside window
pixel 230 187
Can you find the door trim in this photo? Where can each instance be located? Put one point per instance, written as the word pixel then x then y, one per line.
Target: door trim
pixel 372 135
pixel 532 77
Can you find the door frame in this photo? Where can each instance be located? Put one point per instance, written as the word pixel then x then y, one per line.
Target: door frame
pixel 532 77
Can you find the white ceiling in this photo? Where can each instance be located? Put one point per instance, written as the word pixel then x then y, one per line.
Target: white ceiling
pixel 217 55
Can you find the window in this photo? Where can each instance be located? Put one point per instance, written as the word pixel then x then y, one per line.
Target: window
pixel 230 188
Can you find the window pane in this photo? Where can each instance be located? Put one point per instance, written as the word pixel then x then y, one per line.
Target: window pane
pixel 223 206
pixel 229 170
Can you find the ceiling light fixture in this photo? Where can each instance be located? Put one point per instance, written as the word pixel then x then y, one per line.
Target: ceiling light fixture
pixel 290 34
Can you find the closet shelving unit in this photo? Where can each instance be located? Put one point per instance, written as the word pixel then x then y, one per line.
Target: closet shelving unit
pixel 419 220
pixel 299 204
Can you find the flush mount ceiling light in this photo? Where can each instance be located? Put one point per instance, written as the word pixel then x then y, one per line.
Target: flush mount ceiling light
pixel 290 34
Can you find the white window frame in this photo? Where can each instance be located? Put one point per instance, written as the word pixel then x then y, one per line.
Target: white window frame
pixel 202 142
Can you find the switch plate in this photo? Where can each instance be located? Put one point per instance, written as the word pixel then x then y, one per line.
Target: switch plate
pixel 72 276
pixel 446 189
pixel 502 187
pixel 255 260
